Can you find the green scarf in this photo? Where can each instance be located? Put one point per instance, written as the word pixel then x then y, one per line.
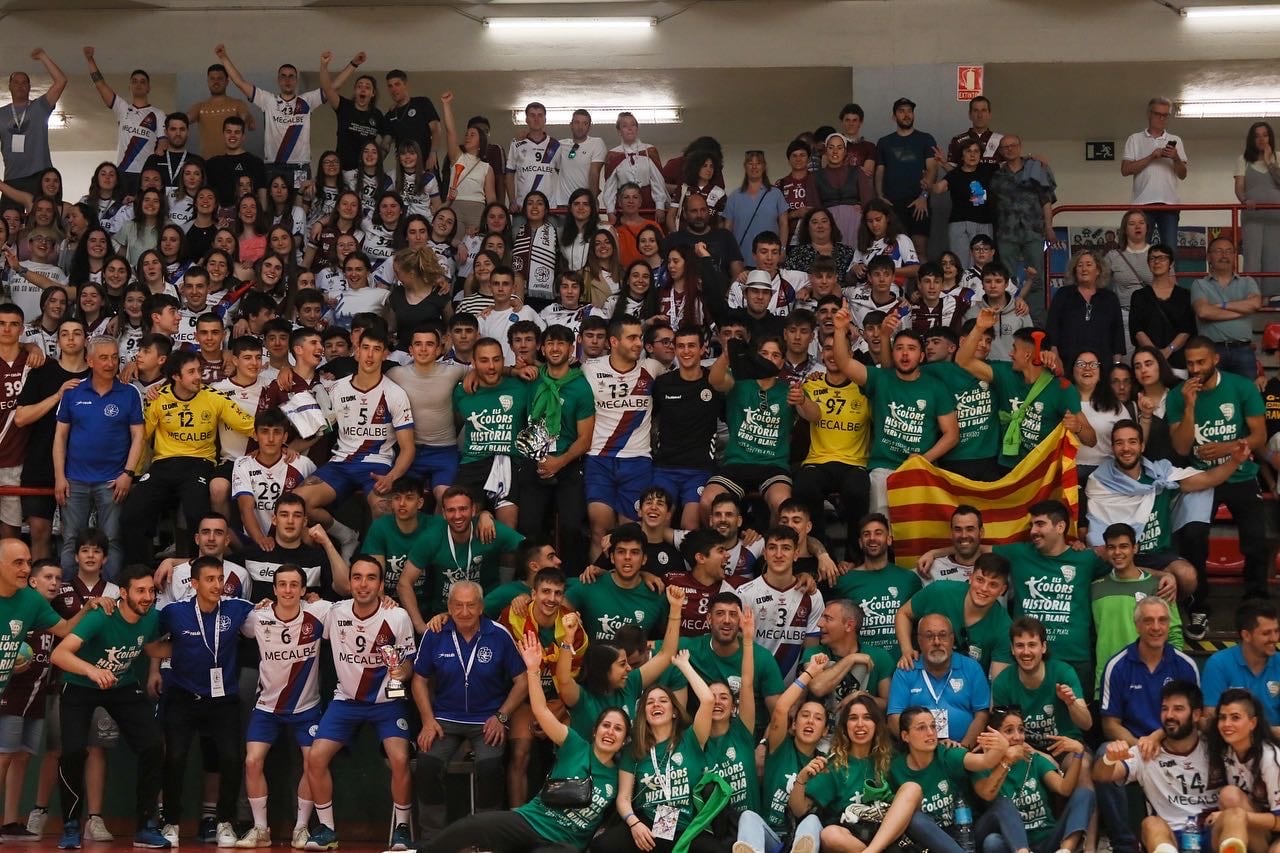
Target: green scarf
pixel 1012 443
pixel 706 809
pixel 546 405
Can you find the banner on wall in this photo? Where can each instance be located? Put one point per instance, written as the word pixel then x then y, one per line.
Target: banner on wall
pixel 1191 251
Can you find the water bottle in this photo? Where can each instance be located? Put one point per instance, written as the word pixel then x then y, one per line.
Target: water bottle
pixel 1191 836
pixel 964 828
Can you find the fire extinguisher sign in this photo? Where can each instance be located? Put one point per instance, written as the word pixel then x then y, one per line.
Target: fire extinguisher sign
pixel 968 82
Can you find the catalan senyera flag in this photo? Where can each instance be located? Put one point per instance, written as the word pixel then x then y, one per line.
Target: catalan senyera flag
pixel 922 497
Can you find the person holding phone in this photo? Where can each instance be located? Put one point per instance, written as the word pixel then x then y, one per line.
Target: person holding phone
pixel 1157 161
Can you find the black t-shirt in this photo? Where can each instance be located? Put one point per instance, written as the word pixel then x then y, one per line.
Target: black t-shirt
pixel 412 122
pixel 261 566
pixel 170 165
pixel 660 559
pixel 225 170
pixel 687 413
pixel 409 317
pixel 43 382
pixel 355 128
pixel 198 242
pixel 720 243
pixel 971 195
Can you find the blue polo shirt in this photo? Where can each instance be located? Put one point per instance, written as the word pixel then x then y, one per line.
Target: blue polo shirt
pixel 492 658
pixel 98 444
pixel 1131 692
pixel 194 644
pixel 962 692
pixel 1226 669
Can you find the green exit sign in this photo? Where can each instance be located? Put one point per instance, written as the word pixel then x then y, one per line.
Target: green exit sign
pixel 1100 150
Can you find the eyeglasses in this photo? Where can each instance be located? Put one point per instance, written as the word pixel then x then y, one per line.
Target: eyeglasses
pixel 573 151
pixel 936 636
pixel 666 342
pixel 1164 114
pixel 1088 365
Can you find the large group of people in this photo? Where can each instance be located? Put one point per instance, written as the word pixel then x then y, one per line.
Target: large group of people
pixel 609 441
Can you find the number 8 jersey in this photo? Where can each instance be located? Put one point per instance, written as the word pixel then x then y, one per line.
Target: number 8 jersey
pixel 356 646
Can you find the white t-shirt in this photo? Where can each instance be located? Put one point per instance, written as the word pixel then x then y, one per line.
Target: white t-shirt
pixel 26 295
pixel 1241 775
pixel 784 619
pixel 496 323
pixel 356 648
pixel 533 164
pixel 1158 183
pixel 573 162
pixel 267 484
pixel 369 420
pixel 137 131
pixel 287 135
pixel 288 678
pixel 1176 786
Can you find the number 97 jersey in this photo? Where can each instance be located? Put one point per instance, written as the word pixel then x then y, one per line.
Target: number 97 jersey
pixel 357 644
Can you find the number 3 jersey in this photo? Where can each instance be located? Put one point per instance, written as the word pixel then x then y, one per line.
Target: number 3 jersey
pixel 357 644
pixel 369 420
pixel 287 673
pixel 624 406
pixel 784 618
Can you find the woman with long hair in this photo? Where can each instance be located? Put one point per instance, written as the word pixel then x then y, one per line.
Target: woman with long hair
pixel 843 186
pixel 150 272
pixel 414 183
pixel 649 248
pixel 472 184
pixel 384 231
pixel 116 277
pixel 417 235
pixel 332 281
pixel 1160 314
pixel 182 198
pixel 171 249
pixel 534 254
pixel 203 225
pixel 851 785
pixel 698 177
pixel 128 329
pixel 629 301
pixel 369 180
pixel 143 231
pixel 1127 262
pixel 281 243
pixel 421 294
pixel 818 236
pixel 475 295
pixel 45 214
pixel 43 329
pixel 1257 181
pixel 603 273
pixel 345 219
pixel 358 296
pixel 221 269
pixel 881 234
pixel 1153 378
pixel 321 195
pixel 756 206
pixel 1244 754
pixel 284 208
pixel 580 226
pixel 91 256
pixel 106 193
pixel 1085 313
pixel 442 240
pixel 250 227
pixel 1099 406
pixel 93 308
pixel 680 300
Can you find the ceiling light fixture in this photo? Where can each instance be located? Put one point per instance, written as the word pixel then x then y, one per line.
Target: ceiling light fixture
pixel 1206 13
pixel 608 115
pixel 1238 108
pixel 618 25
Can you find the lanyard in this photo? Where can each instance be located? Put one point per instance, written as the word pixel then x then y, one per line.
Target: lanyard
pixel 168 164
pixel 217 635
pixel 462 567
pixel 936 694
pixel 466 667
pixel 19 121
pixel 664 778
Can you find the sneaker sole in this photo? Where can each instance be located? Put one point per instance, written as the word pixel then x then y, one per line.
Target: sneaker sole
pixel 148 846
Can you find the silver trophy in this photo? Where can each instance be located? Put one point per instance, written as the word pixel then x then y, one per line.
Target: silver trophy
pixel 392 656
pixel 535 442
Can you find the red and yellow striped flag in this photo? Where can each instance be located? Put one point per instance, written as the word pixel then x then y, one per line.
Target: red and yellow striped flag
pixel 922 497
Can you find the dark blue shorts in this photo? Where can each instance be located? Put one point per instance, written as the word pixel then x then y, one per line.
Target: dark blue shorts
pixel 264 726
pixel 343 719
pixel 435 466
pixel 348 477
pixel 683 484
pixel 616 482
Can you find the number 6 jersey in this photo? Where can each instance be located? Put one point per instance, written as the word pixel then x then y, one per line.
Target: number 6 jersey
pixel 287 673
pixel 356 646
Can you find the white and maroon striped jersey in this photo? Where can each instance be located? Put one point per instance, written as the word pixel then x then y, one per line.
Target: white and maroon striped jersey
pixel 235 584
pixel 369 420
pixel 266 484
pixel 248 398
pixel 624 407
pixel 288 679
pixel 356 646
pixel 287 135
pixel 784 618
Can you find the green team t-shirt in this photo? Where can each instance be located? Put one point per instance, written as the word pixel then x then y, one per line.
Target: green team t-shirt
pixel 985 641
pixel 386 539
pixel 1043 713
pixel 759 421
pixel 491 418
pixel 446 562
pixel 1055 590
pixel 881 669
pixel 575 759
pixel 1220 416
pixel 733 756
pixel 780 769
pixel 582 716
pixel 576 403
pixel 836 787
pixel 905 413
pixel 112 643
pixel 606 607
pixel 1042 416
pixel 680 764
pixel 728 668
pixel 1112 600
pixel 25 610
pixel 496 599
pixel 1024 785
pixel 975 411
pixel 879 594
pixel 945 782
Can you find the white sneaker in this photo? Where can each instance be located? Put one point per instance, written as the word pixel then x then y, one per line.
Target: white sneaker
pixel 257 836
pixel 36 821
pixel 300 836
pixel 226 835
pixel 170 832
pixel 96 830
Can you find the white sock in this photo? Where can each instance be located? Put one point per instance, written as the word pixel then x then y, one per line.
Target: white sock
pixel 404 814
pixel 1165 848
pixel 325 814
pixel 259 807
pixel 339 530
pixel 305 807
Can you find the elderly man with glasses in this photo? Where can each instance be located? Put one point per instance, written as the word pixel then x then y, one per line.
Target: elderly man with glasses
pixel 1157 160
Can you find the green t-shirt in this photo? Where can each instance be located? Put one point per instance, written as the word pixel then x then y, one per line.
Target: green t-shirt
pixel 576 403
pixel 386 539
pixel 759 422
pixel 582 716
pixel 836 787
pixel 780 769
pixel 881 669
pixel 1055 590
pixel 733 756
pixel 446 562
pixel 728 668
pixel 879 594
pixel 111 643
pixel 905 413
pixel 1024 785
pixel 491 418
pixel 25 610
pixel 575 759
pixel 975 411
pixel 606 607
pixel 682 766
pixel 1043 713
pixel 1042 416
pixel 986 640
pixel 1220 416
pixel 945 782
pixel 496 599
pixel 1112 601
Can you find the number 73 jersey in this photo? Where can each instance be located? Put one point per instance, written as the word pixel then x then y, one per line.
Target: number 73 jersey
pixel 357 644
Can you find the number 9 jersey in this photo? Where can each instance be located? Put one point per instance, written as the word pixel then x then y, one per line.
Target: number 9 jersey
pixel 356 646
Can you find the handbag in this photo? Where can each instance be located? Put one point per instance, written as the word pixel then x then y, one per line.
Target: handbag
pixel 567 793
pixel 863 822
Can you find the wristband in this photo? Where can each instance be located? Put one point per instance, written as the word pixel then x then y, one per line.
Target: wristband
pixel 1106 759
pixel 568 647
pixel 800 684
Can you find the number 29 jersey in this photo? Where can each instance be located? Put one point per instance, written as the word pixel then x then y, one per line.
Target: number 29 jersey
pixel 624 407
pixel 287 673
pixel 267 484
pixel 356 646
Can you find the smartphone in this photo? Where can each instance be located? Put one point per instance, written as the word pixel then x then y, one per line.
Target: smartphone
pixel 1171 145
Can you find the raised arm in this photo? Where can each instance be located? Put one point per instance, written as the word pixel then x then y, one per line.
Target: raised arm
pixel 566 687
pixel 701 720
pixel 967 355
pixel 242 84
pixel 59 84
pixel 719 376
pixel 531 651
pixel 450 125
pixel 654 666
pixel 747 688
pixel 849 366
pixel 330 85
pixel 780 719
pixel 105 92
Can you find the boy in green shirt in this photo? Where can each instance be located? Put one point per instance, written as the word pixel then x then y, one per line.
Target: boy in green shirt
pixel 391 537
pixel 1048 691
pixel 621 597
pixel 972 607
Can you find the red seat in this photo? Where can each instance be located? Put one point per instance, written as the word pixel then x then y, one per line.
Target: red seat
pixel 1221 513
pixel 1271 337
pixel 1225 560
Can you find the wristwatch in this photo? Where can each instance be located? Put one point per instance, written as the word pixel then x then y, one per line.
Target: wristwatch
pixel 503 718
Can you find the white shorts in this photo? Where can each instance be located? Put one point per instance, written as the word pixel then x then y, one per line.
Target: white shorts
pixel 11 507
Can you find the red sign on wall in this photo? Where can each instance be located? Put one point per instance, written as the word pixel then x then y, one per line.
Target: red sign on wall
pixel 968 82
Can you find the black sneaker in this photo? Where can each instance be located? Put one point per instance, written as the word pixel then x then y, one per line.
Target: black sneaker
pixel 17 832
pixel 208 829
pixel 1197 627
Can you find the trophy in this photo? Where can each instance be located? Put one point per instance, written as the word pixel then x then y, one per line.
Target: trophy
pixel 392 656
pixel 535 442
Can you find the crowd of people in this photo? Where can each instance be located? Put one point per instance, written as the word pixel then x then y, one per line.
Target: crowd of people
pixel 578 460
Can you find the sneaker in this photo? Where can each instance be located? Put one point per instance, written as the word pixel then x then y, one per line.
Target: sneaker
pixel 150 836
pixel 300 836
pixel 17 832
pixel 226 835
pixel 70 839
pixel 401 837
pixel 36 821
pixel 208 829
pixel 96 830
pixel 257 836
pixel 323 838
pixel 170 832
pixel 1197 627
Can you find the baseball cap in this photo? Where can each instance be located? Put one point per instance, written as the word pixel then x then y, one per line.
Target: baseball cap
pixel 759 279
pixel 904 102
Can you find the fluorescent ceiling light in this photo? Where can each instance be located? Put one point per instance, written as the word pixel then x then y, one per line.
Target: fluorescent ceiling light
pixel 596 24
pixel 1241 108
pixel 608 115
pixel 1210 12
